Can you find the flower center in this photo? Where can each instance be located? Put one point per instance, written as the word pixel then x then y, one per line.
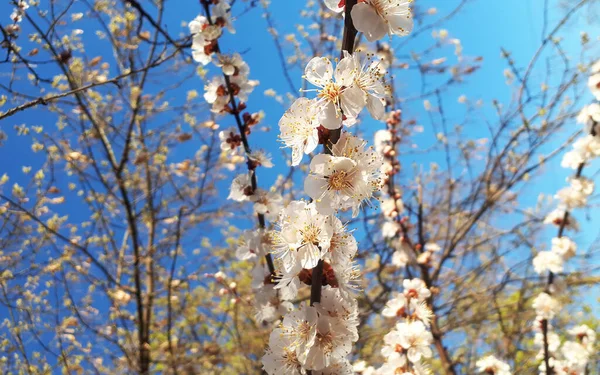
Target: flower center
pixel 412 293
pixel 310 234
pixel 304 330
pixel 400 312
pixel 290 358
pixel 339 181
pixel 378 6
pixel 325 342
pixel 330 92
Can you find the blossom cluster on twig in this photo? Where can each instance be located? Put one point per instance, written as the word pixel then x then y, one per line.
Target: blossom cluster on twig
pixel 573 356
pixel 227 94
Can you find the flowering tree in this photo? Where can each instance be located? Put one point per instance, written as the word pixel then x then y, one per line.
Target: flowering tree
pixel 149 224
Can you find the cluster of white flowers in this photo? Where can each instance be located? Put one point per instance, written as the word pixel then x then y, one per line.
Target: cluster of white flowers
pixel 345 179
pixel 205 49
pixel 562 249
pixel 594 80
pixel 409 342
pixel 227 93
pixel 310 239
pixel 205 32
pixel 341 95
pixel 378 18
pixel 492 366
pixel 17 14
pixel 587 147
pixel 589 116
pixel 267 203
pixel 573 356
pixel 318 337
pixel 270 304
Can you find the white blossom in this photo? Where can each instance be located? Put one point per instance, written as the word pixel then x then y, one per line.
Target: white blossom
pixel 382 141
pixel 348 277
pixel 415 339
pixel 594 80
pixel 241 188
pixel 343 367
pixel 260 158
pixel 221 15
pixel 303 237
pixel 230 140
pixel 564 247
pixel 395 307
pixel 345 179
pixel 582 185
pixel 545 306
pixel 585 335
pixel 575 354
pixel 416 289
pixel 343 245
pixel 492 365
pixel 421 311
pixel 335 183
pixel 281 357
pixel 403 254
pixel 590 116
pixel 575 196
pixel 336 305
pixel 432 246
pixel 391 207
pixel 203 34
pixel 268 203
pixel 368 78
pixel 390 229
pixel 298 127
pixel 557 217
pixel 250 245
pixel 335 5
pixel 548 261
pixel 376 18
pixel 231 64
pixel 338 99
pixel 314 338
pixel 216 94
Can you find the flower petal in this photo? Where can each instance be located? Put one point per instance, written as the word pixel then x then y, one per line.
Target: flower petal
pixel 333 5
pixel 315 186
pixel 367 21
pixel 376 107
pixel 318 71
pixel 400 24
pixel 329 117
pixel 352 101
pixel 345 71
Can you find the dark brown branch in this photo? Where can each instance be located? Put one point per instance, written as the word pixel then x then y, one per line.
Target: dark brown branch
pixel 330 140
pixel 235 111
pixel 550 281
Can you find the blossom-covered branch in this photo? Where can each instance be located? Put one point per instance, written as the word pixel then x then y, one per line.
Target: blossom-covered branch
pixel 575 354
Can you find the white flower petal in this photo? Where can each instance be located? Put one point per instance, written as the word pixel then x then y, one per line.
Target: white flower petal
pixel 367 21
pixel 376 107
pixel 329 117
pixel 318 71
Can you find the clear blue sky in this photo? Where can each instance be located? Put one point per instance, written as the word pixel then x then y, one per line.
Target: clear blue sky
pixel 484 27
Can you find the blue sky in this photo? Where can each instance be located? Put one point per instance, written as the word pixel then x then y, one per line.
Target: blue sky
pixel 484 27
